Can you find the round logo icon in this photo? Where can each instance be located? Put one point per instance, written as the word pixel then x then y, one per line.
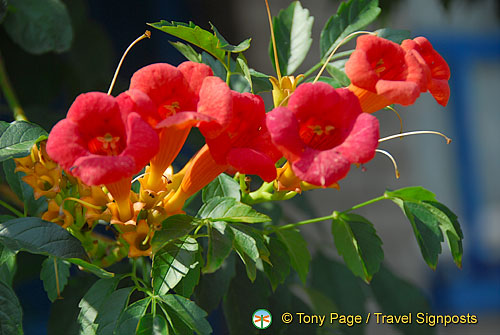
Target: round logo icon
pixel 262 319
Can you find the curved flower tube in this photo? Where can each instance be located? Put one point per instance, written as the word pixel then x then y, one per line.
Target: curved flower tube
pixel 439 71
pixel 322 132
pixel 383 73
pixel 97 145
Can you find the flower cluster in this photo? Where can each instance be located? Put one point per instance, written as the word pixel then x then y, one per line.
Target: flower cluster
pixel 320 130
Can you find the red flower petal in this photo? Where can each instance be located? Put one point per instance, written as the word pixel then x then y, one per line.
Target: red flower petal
pixel 321 168
pixel 250 161
pixel 284 129
pixel 65 144
pixel 142 141
pixel 195 73
pixel 359 147
pixel 215 101
pixel 99 170
pixel 184 120
pixel 139 102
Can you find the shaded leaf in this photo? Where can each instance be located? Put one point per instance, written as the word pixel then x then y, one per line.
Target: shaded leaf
pixel 17 138
pixel 292 31
pixel 54 274
pixel 8 265
pixel 110 310
pixel 230 210
pixel 130 318
pixel 222 186
pixel 40 237
pixel 100 272
pixel 260 82
pixel 297 250
pixel 357 242
pixel 39 26
pixel 220 243
pixel 152 325
pixel 251 241
pixel 187 51
pixel 172 263
pixel 245 70
pixel 225 45
pixel 193 34
pixel 173 227
pixel 329 80
pixel 11 314
pixel 279 268
pixel 192 315
pixel 350 17
pixel 395 35
pixel 336 70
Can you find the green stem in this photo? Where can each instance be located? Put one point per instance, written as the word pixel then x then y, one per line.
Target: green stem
pixel 324 218
pixel 12 209
pixel 228 69
pixel 10 96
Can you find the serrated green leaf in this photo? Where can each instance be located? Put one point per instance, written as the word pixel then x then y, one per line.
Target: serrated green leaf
pixel 213 286
pixel 17 138
pixel 152 325
pixel 193 34
pixel 357 242
pixel 11 313
pixel 297 250
pixel 100 272
pixel 414 193
pixel 173 227
pixel 350 17
pixel 396 296
pixel 23 191
pixel 39 26
pixel 395 35
pixel 54 274
pixel 426 229
pixel 130 318
pixel 172 263
pixel 40 237
pixel 279 268
pixel 110 310
pixel 292 31
pixel 225 45
pixel 260 82
pixel 251 241
pixel 92 302
pixel 222 186
pixel 187 51
pixel 192 315
pixel 230 210
pixel 220 243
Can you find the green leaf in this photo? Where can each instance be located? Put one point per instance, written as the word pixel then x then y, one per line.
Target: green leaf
pixel 245 70
pixel 350 17
pixel 260 82
pixel 222 186
pixel 100 272
pixel 131 317
pixel 297 250
pixel 193 34
pixel 329 80
pixel 414 193
pixel 23 191
pixel 292 31
pixel 39 26
pixel 187 51
pixel 40 237
pixel 152 325
pixel 3 9
pixel 250 267
pixel 8 264
pixel 172 263
pixel 17 138
pixel 213 286
pixel 54 274
pixel 187 285
pixel 396 296
pixel 11 314
pixel 218 69
pixel 173 227
pixel 192 315
pixel 357 242
pixel 395 35
pixel 110 310
pixel 279 268
pixel 230 210
pixel 336 70
pixel 91 304
pixel 225 45
pixel 220 243
pixel 426 228
pixel 250 241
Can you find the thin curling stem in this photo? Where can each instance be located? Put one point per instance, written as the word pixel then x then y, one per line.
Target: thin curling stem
pixel 147 34
pixel 278 71
pixel 335 50
pixel 419 132
pixel 392 160
pixel 84 203
pixel 10 95
pixel 399 117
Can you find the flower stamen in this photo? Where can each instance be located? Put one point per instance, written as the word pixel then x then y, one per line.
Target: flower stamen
pixel 419 132
pixel 392 160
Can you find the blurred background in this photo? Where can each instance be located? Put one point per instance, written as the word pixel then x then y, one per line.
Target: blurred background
pixel 462 174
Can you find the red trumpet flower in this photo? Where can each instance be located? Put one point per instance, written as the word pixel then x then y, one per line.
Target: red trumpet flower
pixel 322 132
